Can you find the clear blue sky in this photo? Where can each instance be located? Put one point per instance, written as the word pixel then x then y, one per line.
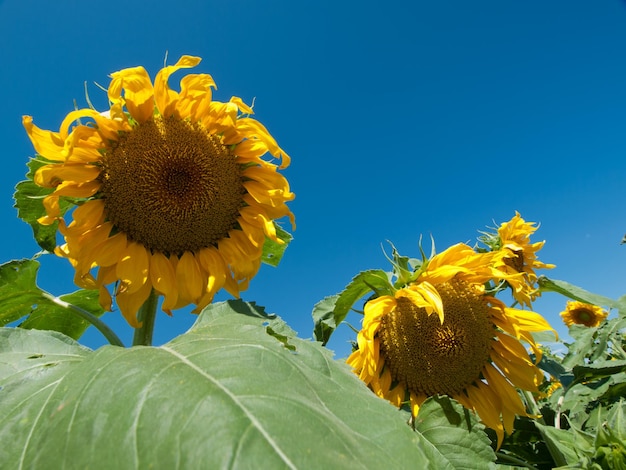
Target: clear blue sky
pixel 402 118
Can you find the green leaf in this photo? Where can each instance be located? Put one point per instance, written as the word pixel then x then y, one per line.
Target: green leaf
pixel 616 420
pixel 566 447
pixel 574 292
pixel 598 370
pixel 29 204
pixel 374 280
pixel 224 395
pixel 457 439
pixel 324 318
pixel 20 297
pixel 50 316
pixel 273 251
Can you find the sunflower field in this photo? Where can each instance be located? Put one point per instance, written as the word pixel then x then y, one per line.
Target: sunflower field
pixel 167 198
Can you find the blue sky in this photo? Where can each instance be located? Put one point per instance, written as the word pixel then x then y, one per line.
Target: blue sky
pixel 402 119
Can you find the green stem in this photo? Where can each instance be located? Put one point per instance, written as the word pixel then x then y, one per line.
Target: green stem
pixel 102 327
pixel 509 458
pixel 146 315
pixel 531 405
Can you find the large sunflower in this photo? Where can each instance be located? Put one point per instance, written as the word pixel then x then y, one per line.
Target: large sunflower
pixel 514 238
pixel 470 350
pixel 172 191
pixel 580 313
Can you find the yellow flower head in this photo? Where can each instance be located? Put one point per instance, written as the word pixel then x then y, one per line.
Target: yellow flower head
pixel 470 350
pixel 172 191
pixel 580 313
pixel 514 238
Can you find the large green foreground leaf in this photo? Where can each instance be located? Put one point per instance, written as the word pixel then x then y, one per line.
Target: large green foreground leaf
pixel 236 391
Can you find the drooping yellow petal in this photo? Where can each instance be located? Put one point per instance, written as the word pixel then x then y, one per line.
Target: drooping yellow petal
pixel 47 143
pixel 132 268
pixel 487 405
pixel 111 251
pixel 241 105
pixel 53 210
pixel 138 92
pixel 189 278
pixel 71 189
pixel 426 296
pixel 166 98
pixel 253 129
pixel 211 261
pixel 195 96
pixel 130 303
pixel 163 278
pixel 49 176
pixel 504 389
pixel 89 214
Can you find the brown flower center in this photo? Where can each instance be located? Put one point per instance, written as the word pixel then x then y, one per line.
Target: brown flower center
pixel 171 186
pixel 516 261
pixel 584 317
pixel 434 358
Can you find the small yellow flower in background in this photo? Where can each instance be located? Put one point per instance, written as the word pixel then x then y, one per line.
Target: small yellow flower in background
pixel 442 334
pixel 551 387
pixel 580 313
pixel 514 237
pixel 172 191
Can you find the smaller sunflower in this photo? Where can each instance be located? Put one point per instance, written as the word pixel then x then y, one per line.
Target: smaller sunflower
pixel 580 313
pixel 514 238
pixel 470 350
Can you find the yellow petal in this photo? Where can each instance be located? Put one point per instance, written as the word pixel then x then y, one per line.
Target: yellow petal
pixel 165 97
pixel 130 303
pixel 71 189
pixel 241 105
pixel 104 298
pixel 195 95
pixel 189 278
pixel 138 92
pixel 488 407
pixel 53 210
pixel 49 176
pixel 111 250
pixel 132 269
pixel 46 143
pixel 89 214
pixel 163 278
pixel 211 261
pixel 504 389
pixel 253 129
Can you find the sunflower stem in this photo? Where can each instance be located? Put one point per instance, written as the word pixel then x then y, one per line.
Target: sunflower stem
pixel 509 458
pixel 532 406
pixel 102 327
pixel 146 315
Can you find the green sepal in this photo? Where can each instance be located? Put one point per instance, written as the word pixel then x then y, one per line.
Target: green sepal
pixel 29 197
pixel 273 251
pixel 330 312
